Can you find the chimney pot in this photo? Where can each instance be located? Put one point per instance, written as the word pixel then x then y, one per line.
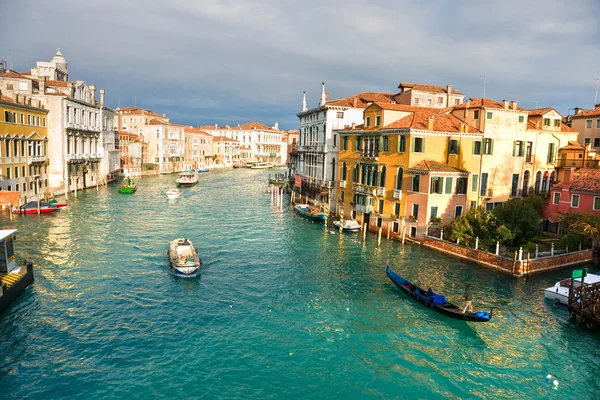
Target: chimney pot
pixel 93 93
pixel 505 104
pixel 514 105
pixel 430 123
pixel 353 125
pixel 326 96
pixel 102 97
pixel 466 128
pixel 355 102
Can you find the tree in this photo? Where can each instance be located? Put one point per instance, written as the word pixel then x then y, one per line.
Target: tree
pixel 580 227
pixel 520 218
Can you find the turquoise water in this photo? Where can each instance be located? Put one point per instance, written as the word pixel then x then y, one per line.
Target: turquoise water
pixel 283 309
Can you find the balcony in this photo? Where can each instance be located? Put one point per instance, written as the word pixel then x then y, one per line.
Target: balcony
pixel 364 208
pixel 370 155
pixel 381 191
pixel 36 159
pixel 343 184
pixel 397 194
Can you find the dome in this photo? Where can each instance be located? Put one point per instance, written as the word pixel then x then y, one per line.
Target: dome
pixel 59 60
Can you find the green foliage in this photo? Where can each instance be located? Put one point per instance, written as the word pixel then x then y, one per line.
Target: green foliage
pixel 520 218
pixel 461 229
pixel 536 201
pixel 477 222
pixel 580 228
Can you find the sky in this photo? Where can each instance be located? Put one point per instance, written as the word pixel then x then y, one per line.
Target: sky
pixel 229 62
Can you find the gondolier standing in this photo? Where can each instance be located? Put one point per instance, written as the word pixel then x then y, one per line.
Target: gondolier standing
pixel 468 299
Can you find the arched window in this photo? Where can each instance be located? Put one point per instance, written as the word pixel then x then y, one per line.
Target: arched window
pixel 355 174
pixel 344 171
pixel 374 177
pixel 382 177
pixel 399 178
pixel 545 186
pixel 333 167
pixel 538 182
pixel 525 183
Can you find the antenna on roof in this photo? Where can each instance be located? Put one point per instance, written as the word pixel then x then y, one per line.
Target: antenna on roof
pixel 597 86
pixel 536 103
pixel 484 83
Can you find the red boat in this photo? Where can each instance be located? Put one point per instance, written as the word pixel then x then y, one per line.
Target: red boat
pixel 32 208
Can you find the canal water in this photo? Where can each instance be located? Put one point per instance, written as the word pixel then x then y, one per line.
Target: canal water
pixel 283 309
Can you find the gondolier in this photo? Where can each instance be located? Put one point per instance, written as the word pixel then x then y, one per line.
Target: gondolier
pixel 468 299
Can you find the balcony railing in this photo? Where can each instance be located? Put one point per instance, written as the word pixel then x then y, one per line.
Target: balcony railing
pixel 342 184
pixel 364 208
pixel 380 191
pixel 34 159
pixel 371 155
pixel 397 194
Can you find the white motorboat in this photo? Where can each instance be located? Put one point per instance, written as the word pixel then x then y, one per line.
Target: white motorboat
pixel 184 257
pixel 560 291
pixel 188 178
pixel 350 225
pixel 173 193
pixel 262 165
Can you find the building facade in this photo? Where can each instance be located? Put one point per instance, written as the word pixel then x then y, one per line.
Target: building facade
pixel 587 123
pixel 226 151
pixel 130 153
pixel 198 147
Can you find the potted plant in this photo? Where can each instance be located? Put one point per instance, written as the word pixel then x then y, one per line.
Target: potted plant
pixel 435 220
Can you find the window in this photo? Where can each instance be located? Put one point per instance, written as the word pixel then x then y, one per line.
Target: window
pixel 596 142
pixel 518 149
pixel 334 140
pixel 402 143
pixel 489 115
pixel 546 121
pixel 528 151
pixel 550 153
pixel 453 146
pixel 359 143
pixel 397 209
pixel 429 101
pixel 386 144
pixel 433 212
pixel 415 211
pixel 340 114
pixel 483 188
pixel 515 185
pixel 456 102
pixel 416 181
pixel 448 187
pixel 596 203
pixel 474 182
pixel 23 118
pixel 488 146
pixel 418 145
pixel 598 123
pixel 416 100
pixel 588 123
pixel 377 120
pixel 458 211
pixel 461 185
pixel 477 147
pixel 8 174
pixel 368 123
pixel 476 114
pixel 344 171
pixel 345 143
pixel 521 119
pixel 436 185
pixel 395 226
pixel 342 196
pixel 380 208
pixel 43 121
pixel 575 201
pixel 557 122
pixel 586 141
pixel 440 100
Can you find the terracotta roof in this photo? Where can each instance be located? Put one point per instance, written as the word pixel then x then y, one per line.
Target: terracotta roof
pixel 191 129
pixel 404 107
pixel 441 122
pixel 531 126
pixel 405 86
pixel 487 103
pixel 57 83
pixel 566 128
pixel 137 110
pixel 586 180
pixel 363 100
pixel 156 122
pixel 13 74
pixel 435 166
pixel 224 139
pixel 252 125
pixel 573 146
pixel 588 113
pixel 7 99
pixel 540 111
pixel 248 148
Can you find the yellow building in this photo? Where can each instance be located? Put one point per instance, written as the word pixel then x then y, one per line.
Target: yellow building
pixel 407 165
pixel 23 146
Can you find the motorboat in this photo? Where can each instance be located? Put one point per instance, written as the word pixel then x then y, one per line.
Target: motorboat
pixel 173 193
pixel 349 225
pixel 559 293
pixel 128 186
pixel 32 208
pixel 262 165
pixel 187 178
pixel 310 212
pixel 184 257
pixel 202 169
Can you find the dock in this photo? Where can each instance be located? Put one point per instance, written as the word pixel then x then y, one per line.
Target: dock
pixel 584 300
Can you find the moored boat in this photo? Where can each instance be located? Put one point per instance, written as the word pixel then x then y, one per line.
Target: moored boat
pixel 173 193
pixel 184 257
pixel 202 169
pixel 559 293
pixel 128 186
pixel 310 212
pixel 262 165
pixel 435 301
pixel 32 208
pixel 349 225
pixel 187 178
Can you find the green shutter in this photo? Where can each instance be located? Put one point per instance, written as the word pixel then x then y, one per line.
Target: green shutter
pixel 491 146
pixel 514 148
pixel 474 182
pixel 448 185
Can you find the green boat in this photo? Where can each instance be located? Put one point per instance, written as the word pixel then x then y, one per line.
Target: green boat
pixel 128 186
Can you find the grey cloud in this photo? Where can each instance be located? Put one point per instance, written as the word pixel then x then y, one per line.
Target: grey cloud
pixel 206 61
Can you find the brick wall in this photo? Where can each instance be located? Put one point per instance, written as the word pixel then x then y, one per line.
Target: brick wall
pixel 7 198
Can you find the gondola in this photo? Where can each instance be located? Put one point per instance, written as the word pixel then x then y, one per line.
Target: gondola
pixel 436 301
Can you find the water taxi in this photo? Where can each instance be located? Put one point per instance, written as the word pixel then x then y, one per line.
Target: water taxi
pixel 349 225
pixel 128 186
pixel 184 257
pixel 559 293
pixel 187 178
pixel 262 165
pixel 173 193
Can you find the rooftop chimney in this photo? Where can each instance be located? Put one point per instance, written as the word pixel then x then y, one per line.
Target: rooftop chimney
pixel 354 124
pixel 577 110
pixel 102 97
pixel 42 85
pixel 448 95
pixel 17 98
pixel 466 128
pixel 568 177
pixel 430 123
pixel 505 104
pixel 355 102
pixel 93 93
pixel 514 105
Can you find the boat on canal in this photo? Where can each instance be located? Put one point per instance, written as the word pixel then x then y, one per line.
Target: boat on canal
pixel 187 178
pixel 262 165
pixel 32 208
pixel 559 293
pixel 128 186
pixel 184 257
pixel 310 212
pixel 173 193
pixel 435 301
pixel 202 169
pixel 349 225
pixel 13 278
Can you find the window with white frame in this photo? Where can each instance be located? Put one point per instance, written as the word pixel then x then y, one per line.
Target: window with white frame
pixel 575 201
pixel 596 203
pixel 588 123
